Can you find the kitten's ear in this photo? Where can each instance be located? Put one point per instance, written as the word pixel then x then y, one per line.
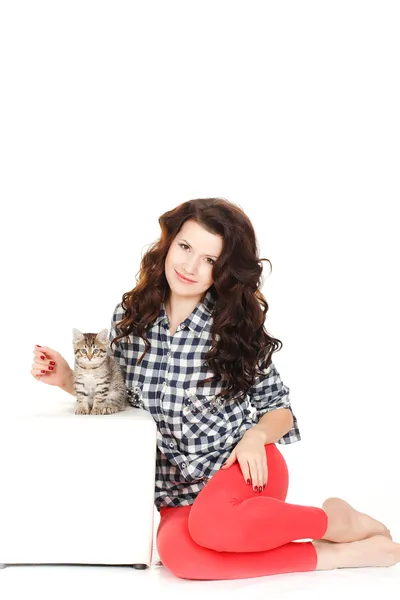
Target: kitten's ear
pixel 102 336
pixel 77 336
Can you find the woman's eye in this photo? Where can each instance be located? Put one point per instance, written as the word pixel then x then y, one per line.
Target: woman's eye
pixel 186 246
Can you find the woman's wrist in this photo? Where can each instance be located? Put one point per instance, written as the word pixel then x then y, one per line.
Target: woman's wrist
pixel 68 385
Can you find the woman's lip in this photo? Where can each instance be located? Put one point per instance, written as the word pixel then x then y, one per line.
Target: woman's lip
pixel 185 278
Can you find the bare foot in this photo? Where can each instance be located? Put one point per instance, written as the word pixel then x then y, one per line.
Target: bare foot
pixel 345 524
pixel 375 551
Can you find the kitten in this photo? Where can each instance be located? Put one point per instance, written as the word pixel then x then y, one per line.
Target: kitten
pixel 99 383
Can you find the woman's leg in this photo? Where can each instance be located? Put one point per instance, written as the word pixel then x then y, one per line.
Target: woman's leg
pixel 215 538
pixel 184 558
pixel 229 516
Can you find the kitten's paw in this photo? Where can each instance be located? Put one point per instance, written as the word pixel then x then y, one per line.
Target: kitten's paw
pixel 96 411
pixel 109 410
pixel 82 411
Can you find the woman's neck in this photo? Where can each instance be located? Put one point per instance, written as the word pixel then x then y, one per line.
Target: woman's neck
pixel 178 309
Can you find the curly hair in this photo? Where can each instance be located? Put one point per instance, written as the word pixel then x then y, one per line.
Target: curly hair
pixel 240 342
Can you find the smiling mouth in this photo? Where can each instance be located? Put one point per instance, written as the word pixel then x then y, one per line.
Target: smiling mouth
pixel 185 278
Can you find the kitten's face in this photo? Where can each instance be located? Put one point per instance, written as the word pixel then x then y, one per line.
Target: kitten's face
pixel 90 348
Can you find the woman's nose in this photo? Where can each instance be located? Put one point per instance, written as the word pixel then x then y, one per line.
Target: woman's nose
pixel 191 267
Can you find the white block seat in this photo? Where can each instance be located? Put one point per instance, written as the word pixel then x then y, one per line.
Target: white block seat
pixel 76 489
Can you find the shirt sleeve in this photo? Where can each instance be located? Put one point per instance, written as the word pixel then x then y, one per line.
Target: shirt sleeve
pixel 117 349
pixel 269 393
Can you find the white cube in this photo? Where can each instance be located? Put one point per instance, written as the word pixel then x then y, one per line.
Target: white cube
pixel 76 489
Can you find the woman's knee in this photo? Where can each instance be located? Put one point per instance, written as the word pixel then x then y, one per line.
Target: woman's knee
pixel 175 547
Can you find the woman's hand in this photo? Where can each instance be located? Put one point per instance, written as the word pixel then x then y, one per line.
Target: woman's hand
pixel 50 367
pixel 250 453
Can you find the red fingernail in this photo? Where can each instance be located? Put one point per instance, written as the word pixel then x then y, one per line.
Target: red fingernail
pixel 248 482
pixel 43 371
pixel 255 488
pixel 42 357
pixel 38 346
pixel 52 362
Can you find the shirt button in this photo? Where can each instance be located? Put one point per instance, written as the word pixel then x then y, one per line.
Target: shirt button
pixel 184 465
pixel 171 444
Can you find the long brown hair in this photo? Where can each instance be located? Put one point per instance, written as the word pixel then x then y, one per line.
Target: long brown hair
pixel 240 342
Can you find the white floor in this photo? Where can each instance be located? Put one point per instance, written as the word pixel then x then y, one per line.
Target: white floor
pixel 63 581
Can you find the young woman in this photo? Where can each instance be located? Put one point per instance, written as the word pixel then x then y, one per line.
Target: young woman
pixel 191 341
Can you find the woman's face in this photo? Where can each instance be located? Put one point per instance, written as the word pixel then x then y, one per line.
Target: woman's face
pixel 192 254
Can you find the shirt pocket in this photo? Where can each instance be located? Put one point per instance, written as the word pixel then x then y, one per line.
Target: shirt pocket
pixel 204 423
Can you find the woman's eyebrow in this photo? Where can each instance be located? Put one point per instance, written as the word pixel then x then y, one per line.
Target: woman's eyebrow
pixel 186 242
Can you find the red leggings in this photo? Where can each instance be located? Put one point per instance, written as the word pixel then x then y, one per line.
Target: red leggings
pixel 232 532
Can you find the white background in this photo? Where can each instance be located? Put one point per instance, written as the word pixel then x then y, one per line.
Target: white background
pixel 114 112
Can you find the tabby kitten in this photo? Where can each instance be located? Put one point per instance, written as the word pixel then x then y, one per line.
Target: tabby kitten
pixel 99 383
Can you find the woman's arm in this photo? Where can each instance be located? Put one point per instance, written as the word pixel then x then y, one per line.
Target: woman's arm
pixel 68 385
pixel 274 425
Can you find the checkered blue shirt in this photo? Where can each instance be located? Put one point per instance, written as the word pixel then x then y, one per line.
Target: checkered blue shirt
pixel 196 432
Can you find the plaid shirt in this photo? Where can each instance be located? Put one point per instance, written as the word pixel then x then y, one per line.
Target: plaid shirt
pixel 196 432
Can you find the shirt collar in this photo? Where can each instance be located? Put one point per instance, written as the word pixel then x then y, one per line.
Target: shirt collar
pixel 195 321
